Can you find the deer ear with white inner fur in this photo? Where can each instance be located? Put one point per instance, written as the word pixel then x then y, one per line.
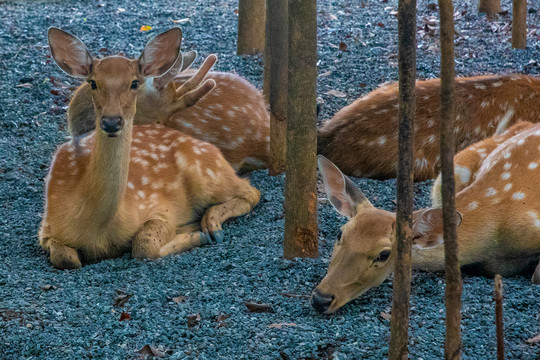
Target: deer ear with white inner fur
pixel 160 53
pixel 70 53
pixel 341 191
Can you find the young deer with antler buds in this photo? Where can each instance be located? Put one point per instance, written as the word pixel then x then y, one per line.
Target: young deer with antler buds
pixel 498 211
pixel 132 187
pixel 234 116
pixel 485 105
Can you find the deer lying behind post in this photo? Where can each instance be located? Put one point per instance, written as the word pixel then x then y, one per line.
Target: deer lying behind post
pixel 233 116
pixel 498 210
pixel 125 187
pixel 361 139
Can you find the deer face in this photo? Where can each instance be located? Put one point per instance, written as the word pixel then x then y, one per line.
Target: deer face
pixel 115 80
pixel 364 253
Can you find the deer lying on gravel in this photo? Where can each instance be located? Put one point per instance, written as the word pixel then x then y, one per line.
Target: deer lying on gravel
pixel 485 105
pixel 132 187
pixel 498 211
pixel 234 116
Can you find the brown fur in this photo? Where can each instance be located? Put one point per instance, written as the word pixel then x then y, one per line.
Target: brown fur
pixel 370 125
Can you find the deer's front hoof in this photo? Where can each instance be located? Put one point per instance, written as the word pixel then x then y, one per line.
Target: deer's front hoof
pixel 66 258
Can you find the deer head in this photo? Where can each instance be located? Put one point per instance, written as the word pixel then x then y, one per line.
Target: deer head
pixel 364 252
pixel 114 80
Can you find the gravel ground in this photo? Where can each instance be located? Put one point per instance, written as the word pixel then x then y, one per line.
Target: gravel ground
pixel 192 305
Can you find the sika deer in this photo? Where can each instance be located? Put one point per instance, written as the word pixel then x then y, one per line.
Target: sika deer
pixel 499 212
pixel 125 187
pixel 233 117
pixel 484 105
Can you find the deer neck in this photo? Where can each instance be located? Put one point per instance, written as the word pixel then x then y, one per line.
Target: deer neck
pixel 106 176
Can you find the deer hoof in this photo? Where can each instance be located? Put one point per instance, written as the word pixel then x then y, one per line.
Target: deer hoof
pixel 65 260
pixel 217 236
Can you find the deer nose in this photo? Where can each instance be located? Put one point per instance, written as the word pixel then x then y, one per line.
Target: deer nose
pixel 111 124
pixel 321 302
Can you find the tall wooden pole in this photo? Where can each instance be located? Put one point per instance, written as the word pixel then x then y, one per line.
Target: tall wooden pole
pixel 519 24
pixel 499 316
pixel 251 27
pixel 407 104
pixel 275 67
pixel 301 178
pixel 452 349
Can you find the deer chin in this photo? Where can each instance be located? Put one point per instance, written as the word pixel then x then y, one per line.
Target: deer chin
pixel 114 134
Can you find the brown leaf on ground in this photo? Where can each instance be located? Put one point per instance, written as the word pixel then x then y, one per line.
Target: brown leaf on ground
pixel 342 46
pixel 125 316
pixel 280 325
pixel 193 320
pixel 179 299
pixel 258 308
pixel 386 316
pixel 220 319
pixel 148 350
pixel 534 340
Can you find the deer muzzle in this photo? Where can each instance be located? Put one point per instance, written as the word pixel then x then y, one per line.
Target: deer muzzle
pixel 112 125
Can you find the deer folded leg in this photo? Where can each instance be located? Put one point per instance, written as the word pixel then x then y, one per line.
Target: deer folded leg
pixel 149 240
pixel 536 275
pixel 217 214
pixel 184 242
pixel 62 256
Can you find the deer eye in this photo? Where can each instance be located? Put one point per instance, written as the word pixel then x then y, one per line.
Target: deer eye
pixel 383 256
pixel 93 84
pixel 135 84
pixel 339 235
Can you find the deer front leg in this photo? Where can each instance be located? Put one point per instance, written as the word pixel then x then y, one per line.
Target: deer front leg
pixel 156 240
pixel 217 214
pixel 62 256
pixel 536 275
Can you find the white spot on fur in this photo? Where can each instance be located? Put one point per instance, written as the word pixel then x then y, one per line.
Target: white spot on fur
pixel 479 86
pixel 463 173
pixel 141 194
pixel 507 166
pixel 145 180
pixel 382 140
pixel 533 165
pixel 130 185
pixel 211 173
pixel 491 191
pixel 505 175
pixel 473 205
pixel 497 84
pixel 507 186
pixel 518 195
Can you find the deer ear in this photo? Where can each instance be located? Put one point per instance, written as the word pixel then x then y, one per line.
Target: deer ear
pixel 162 81
pixel 427 228
pixel 341 191
pixel 189 58
pixel 70 53
pixel 160 53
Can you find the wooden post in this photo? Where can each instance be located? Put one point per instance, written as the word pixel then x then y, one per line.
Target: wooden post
pixel 301 178
pixel 452 349
pixel 499 316
pixel 490 7
pixel 251 26
pixel 519 24
pixel 399 325
pixel 275 77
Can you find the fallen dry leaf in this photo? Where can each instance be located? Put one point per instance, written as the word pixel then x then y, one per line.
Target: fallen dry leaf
pixel 47 287
pixel 386 316
pixel 280 325
pixel 534 340
pixel 335 93
pixel 327 73
pixel 125 316
pixel 121 298
pixel 145 28
pixel 258 308
pixel 193 320
pixel 220 319
pixel 150 351
pixel 342 46
pixel 179 299
pixel 181 21
pixel 25 85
